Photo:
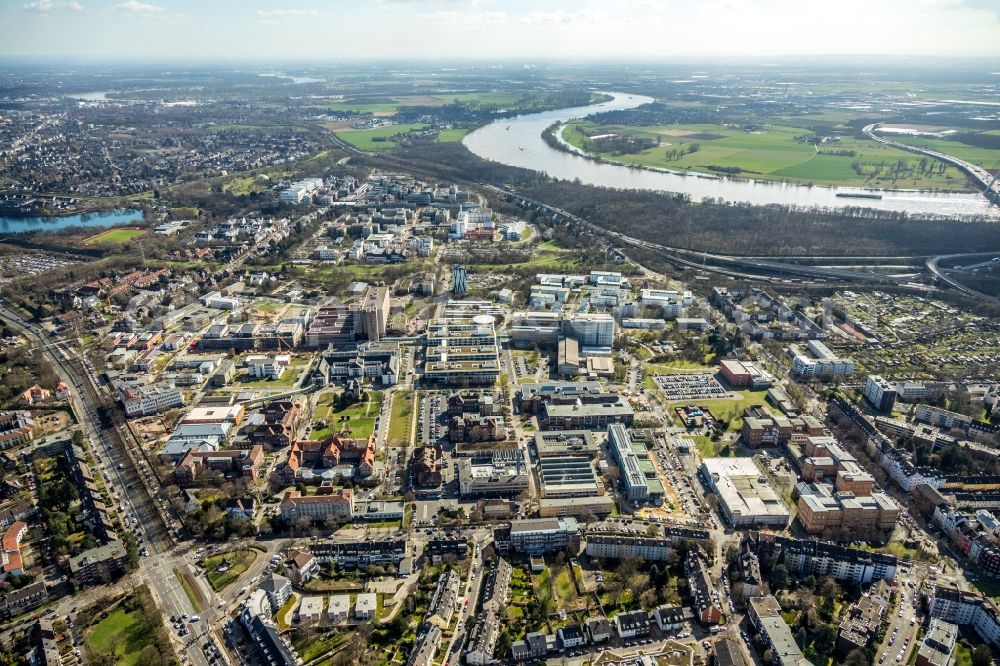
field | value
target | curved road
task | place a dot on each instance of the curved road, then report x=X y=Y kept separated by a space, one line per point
x=932 y=266
x=986 y=180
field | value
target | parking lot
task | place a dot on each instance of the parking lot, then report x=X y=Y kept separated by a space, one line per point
x=690 y=387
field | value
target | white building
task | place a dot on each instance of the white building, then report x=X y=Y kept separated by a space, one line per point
x=310 y=610
x=745 y=495
x=217 y=301
x=150 y=399
x=365 y=606
x=590 y=329
x=296 y=192
x=267 y=367
x=339 y=608
x=880 y=393
x=819 y=362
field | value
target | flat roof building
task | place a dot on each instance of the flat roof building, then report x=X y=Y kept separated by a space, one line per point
x=745 y=495
x=568 y=476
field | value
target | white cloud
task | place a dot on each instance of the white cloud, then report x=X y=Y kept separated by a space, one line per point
x=547 y=18
x=478 y=21
x=49 y=5
x=139 y=7
x=287 y=12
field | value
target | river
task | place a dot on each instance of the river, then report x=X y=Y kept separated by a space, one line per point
x=108 y=218
x=518 y=142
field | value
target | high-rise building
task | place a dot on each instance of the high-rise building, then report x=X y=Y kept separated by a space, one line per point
x=880 y=393
x=460 y=286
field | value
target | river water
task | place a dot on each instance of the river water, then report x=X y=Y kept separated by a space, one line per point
x=109 y=218
x=518 y=142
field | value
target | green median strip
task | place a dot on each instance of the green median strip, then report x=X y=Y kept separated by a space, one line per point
x=188 y=583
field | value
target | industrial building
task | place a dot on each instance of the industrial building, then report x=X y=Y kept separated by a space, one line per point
x=745 y=495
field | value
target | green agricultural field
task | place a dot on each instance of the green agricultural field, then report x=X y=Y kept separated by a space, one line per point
x=452 y=135
x=774 y=154
x=114 y=236
x=984 y=157
x=378 y=138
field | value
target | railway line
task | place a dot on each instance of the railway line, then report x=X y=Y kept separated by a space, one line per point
x=105 y=426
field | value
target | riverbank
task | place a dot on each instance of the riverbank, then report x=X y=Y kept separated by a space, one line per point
x=554 y=136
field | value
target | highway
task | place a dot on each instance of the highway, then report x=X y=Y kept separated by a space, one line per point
x=987 y=182
x=933 y=267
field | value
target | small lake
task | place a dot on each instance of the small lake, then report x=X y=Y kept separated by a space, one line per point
x=108 y=218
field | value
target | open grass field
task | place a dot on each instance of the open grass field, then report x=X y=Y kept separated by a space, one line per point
x=556 y=590
x=115 y=236
x=378 y=138
x=728 y=409
x=233 y=564
x=452 y=135
x=125 y=631
x=360 y=417
x=401 y=417
x=772 y=153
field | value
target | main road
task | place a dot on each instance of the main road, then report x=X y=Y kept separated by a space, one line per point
x=112 y=448
x=987 y=181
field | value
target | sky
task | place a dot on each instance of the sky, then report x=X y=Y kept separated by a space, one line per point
x=495 y=29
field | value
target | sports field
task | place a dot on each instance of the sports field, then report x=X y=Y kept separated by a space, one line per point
x=773 y=153
x=378 y=138
x=114 y=236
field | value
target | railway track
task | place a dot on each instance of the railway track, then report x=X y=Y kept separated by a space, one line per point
x=111 y=441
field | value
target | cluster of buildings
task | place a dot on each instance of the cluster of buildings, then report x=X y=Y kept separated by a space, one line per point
x=765 y=316
x=850 y=504
x=820 y=558
x=342 y=325
x=16 y=427
x=746 y=496
x=764 y=615
x=482 y=639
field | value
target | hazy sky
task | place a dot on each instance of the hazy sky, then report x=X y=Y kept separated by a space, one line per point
x=496 y=28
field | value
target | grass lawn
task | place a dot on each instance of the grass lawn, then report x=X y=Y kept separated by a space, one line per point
x=285 y=612
x=726 y=409
x=114 y=236
x=314 y=645
x=126 y=631
x=963 y=657
x=360 y=417
x=377 y=138
x=287 y=379
x=238 y=561
x=773 y=152
x=401 y=417
x=452 y=135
